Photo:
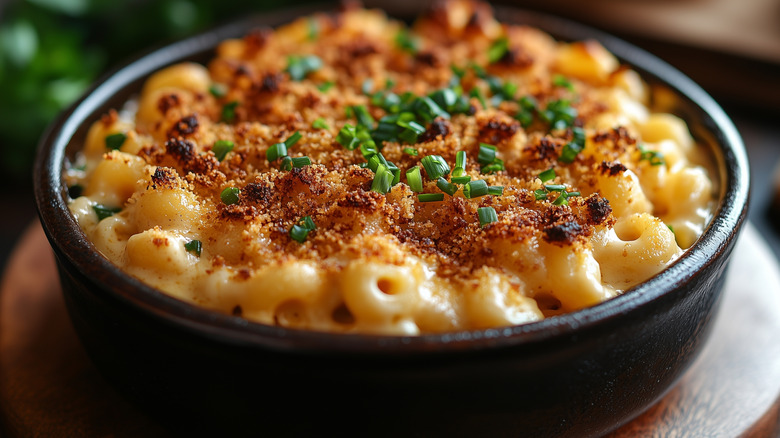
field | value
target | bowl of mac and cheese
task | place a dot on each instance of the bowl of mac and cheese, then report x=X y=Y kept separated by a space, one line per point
x=485 y=220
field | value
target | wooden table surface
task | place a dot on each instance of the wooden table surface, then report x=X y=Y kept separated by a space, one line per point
x=48 y=386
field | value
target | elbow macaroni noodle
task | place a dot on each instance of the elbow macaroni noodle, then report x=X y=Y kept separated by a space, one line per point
x=381 y=260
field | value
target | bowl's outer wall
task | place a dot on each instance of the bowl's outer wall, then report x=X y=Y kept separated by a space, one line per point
x=578 y=375
x=576 y=386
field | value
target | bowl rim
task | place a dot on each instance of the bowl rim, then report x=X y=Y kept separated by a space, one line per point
x=71 y=245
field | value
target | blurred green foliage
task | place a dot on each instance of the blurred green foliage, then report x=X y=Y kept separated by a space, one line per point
x=52 y=50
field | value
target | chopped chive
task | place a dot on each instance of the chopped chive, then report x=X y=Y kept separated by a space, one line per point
x=298 y=67
x=460 y=159
x=578 y=136
x=487 y=154
x=288 y=163
x=460 y=179
x=406 y=42
x=115 y=141
x=291 y=140
x=561 y=199
x=229 y=111
x=430 y=197
x=367 y=86
x=313 y=28
x=496 y=190
x=325 y=86
x=299 y=162
x=347 y=137
x=435 y=166
x=569 y=153
x=475 y=189
x=368 y=149
x=540 y=194
x=383 y=180
x=457 y=71
x=300 y=231
x=486 y=215
x=654 y=157
x=414 y=179
x=476 y=92
x=555 y=187
x=320 y=123
x=103 y=211
x=221 y=148
x=218 y=90
x=671 y=228
x=561 y=81
x=411 y=151
x=547 y=175
x=446 y=186
x=495 y=166
x=194 y=246
x=498 y=49
x=275 y=152
x=229 y=196
x=362 y=116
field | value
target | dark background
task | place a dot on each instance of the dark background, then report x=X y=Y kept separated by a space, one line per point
x=52 y=50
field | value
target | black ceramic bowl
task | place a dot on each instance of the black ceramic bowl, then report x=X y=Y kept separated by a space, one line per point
x=580 y=374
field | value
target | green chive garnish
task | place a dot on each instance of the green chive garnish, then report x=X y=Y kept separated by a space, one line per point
x=540 y=194
x=229 y=111
x=460 y=179
x=276 y=151
x=347 y=137
x=300 y=231
x=498 y=49
x=230 y=195
x=414 y=179
x=487 y=154
x=320 y=123
x=486 y=215
x=569 y=153
x=221 y=148
x=291 y=140
x=218 y=90
x=298 y=67
x=103 y=212
x=325 y=86
x=115 y=141
x=495 y=166
x=475 y=189
x=435 y=166
x=289 y=163
x=411 y=151
x=460 y=160
x=430 y=197
x=314 y=28
x=406 y=42
x=561 y=81
x=446 y=186
x=496 y=190
x=547 y=175
x=654 y=157
x=383 y=180
x=194 y=246
x=561 y=199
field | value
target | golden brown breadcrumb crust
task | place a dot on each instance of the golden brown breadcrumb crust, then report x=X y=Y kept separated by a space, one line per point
x=336 y=192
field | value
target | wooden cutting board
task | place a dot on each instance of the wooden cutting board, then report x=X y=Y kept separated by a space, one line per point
x=48 y=386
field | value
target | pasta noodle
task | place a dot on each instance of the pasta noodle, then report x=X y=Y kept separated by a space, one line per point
x=347 y=173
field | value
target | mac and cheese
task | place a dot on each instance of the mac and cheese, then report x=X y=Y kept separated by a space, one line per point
x=346 y=173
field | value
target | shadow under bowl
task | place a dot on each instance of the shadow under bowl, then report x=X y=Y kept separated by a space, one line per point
x=576 y=375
